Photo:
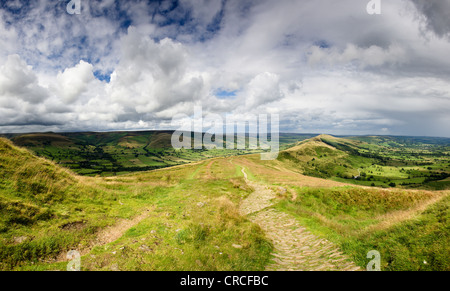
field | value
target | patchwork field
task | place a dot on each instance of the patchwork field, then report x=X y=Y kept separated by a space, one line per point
x=116 y=153
x=192 y=216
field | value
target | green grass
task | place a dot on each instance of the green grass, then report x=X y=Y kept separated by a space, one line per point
x=409 y=165
x=181 y=235
x=361 y=220
x=197 y=242
x=112 y=153
x=193 y=222
x=46 y=211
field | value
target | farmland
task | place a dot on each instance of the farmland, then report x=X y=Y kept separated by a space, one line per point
x=194 y=216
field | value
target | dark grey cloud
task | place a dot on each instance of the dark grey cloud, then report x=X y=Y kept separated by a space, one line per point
x=437 y=15
x=31 y=121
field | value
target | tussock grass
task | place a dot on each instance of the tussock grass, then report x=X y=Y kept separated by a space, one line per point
x=406 y=227
x=193 y=222
x=46 y=210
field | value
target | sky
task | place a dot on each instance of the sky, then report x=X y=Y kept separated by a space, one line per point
x=323 y=66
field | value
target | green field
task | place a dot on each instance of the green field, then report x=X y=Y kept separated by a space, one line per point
x=116 y=153
x=360 y=221
x=186 y=217
x=190 y=222
x=375 y=162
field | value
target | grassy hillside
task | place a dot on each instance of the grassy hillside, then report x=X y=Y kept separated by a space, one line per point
x=371 y=164
x=411 y=230
x=407 y=227
x=186 y=217
x=38 y=199
x=177 y=219
x=116 y=153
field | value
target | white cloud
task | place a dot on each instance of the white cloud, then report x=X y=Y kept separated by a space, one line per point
x=153 y=77
x=323 y=65
x=262 y=89
x=74 y=81
x=18 y=81
x=8 y=38
x=372 y=56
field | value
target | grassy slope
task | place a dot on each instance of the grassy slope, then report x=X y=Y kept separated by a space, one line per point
x=343 y=159
x=111 y=153
x=46 y=211
x=400 y=225
x=408 y=227
x=115 y=153
x=194 y=221
x=37 y=200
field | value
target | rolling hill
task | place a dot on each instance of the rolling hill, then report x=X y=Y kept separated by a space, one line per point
x=116 y=153
x=190 y=217
x=371 y=164
x=163 y=220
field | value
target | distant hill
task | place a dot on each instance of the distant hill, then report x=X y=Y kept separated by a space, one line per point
x=113 y=153
x=366 y=160
x=42 y=139
x=373 y=161
x=47 y=211
x=322 y=156
x=105 y=153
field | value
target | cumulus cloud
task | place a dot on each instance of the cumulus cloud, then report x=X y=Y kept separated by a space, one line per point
x=22 y=97
x=19 y=82
x=74 y=81
x=153 y=76
x=262 y=89
x=323 y=66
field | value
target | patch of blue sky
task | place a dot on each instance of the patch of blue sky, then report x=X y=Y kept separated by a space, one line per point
x=225 y=94
x=102 y=76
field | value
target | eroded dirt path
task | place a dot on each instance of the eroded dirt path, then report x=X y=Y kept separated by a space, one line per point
x=295 y=248
x=108 y=235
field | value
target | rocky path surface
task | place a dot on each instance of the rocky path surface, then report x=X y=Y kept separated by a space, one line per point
x=295 y=248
